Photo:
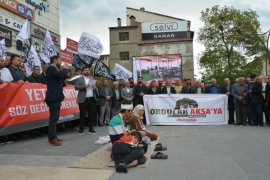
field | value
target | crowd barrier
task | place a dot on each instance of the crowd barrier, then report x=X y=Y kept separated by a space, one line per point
x=22 y=107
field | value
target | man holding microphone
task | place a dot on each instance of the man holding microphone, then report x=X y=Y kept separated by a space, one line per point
x=55 y=76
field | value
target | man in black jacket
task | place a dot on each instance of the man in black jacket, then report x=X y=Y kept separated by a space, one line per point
x=257 y=101
x=227 y=89
x=35 y=78
x=139 y=91
x=168 y=89
x=42 y=76
x=54 y=96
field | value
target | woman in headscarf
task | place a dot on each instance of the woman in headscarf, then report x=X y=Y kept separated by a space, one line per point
x=137 y=124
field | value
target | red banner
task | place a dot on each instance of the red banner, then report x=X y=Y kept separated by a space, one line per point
x=66 y=56
x=22 y=106
x=72 y=45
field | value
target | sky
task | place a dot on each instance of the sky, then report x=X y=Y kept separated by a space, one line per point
x=96 y=16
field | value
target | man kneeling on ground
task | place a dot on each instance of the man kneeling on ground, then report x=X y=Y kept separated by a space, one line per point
x=117 y=125
x=127 y=152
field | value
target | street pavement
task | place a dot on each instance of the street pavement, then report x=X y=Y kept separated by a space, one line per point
x=195 y=153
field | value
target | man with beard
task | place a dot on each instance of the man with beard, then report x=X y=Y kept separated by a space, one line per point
x=131 y=82
x=86 y=99
x=55 y=77
x=15 y=70
x=139 y=91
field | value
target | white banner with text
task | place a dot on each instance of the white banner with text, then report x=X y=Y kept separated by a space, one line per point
x=186 y=109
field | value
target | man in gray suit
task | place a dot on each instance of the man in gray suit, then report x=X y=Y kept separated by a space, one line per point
x=86 y=100
x=105 y=96
x=239 y=92
x=127 y=94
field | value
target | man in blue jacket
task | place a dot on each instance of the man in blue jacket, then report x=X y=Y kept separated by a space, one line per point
x=54 y=96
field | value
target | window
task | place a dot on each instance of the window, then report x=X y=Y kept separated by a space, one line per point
x=123 y=36
x=124 y=55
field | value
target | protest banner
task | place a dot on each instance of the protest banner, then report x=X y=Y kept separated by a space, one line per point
x=23 y=107
x=186 y=109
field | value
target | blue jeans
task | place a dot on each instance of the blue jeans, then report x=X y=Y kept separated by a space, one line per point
x=54 y=117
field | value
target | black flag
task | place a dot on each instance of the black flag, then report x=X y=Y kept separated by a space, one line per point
x=77 y=62
x=102 y=70
x=87 y=59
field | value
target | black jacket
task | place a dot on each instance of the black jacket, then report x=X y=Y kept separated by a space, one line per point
x=55 y=80
x=224 y=90
x=42 y=78
x=138 y=99
x=164 y=90
x=114 y=96
x=33 y=79
x=256 y=93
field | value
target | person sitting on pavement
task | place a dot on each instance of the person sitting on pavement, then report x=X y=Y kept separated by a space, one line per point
x=137 y=124
x=117 y=125
x=127 y=152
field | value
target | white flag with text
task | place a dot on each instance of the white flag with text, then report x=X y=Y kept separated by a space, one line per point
x=3 y=52
x=32 y=60
x=23 y=34
x=48 y=48
x=90 y=45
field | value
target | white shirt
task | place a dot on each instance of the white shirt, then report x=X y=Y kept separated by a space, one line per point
x=168 y=90
x=199 y=90
x=5 y=75
x=89 y=90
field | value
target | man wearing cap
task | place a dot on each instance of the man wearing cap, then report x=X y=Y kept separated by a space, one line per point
x=117 y=125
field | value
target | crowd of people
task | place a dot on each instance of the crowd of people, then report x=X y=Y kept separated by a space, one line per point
x=120 y=105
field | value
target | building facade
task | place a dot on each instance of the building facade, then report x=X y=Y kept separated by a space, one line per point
x=149 y=35
x=42 y=15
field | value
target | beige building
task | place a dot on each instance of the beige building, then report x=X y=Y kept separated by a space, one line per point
x=42 y=15
x=151 y=34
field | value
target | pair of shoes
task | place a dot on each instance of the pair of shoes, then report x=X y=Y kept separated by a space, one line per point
x=122 y=167
x=92 y=131
x=55 y=142
x=237 y=124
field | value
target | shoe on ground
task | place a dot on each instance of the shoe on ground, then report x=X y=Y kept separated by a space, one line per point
x=122 y=167
x=80 y=133
x=55 y=142
x=59 y=139
x=100 y=125
x=92 y=131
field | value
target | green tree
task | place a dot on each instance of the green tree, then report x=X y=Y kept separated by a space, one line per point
x=230 y=40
